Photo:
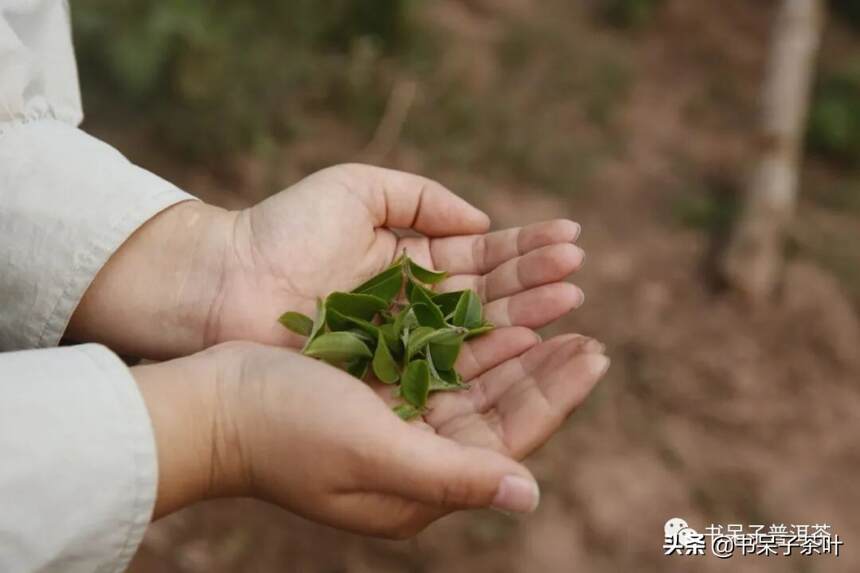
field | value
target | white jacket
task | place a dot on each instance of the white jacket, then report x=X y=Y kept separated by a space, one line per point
x=78 y=465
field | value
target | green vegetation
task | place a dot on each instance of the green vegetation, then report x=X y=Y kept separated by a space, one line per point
x=207 y=82
x=412 y=343
x=834 y=121
x=631 y=13
x=848 y=10
x=544 y=116
x=707 y=203
x=214 y=78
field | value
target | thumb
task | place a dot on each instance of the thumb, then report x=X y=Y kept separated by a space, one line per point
x=430 y=469
x=403 y=201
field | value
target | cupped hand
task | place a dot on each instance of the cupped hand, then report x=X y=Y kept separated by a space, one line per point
x=196 y=275
x=307 y=436
x=337 y=227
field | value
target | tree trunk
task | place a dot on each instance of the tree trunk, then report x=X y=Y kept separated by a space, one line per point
x=753 y=261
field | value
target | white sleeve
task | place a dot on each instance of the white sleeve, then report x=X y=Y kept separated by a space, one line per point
x=78 y=467
x=67 y=200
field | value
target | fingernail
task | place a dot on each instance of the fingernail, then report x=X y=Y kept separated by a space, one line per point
x=578 y=231
x=594 y=347
x=517 y=494
x=598 y=364
x=581 y=300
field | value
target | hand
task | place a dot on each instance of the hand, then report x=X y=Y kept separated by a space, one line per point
x=333 y=230
x=196 y=275
x=247 y=419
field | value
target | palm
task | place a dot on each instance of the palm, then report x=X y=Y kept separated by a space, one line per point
x=393 y=478
x=519 y=390
x=333 y=230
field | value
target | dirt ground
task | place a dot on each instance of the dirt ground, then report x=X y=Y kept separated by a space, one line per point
x=712 y=411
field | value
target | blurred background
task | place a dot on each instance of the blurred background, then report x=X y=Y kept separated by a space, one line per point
x=729 y=400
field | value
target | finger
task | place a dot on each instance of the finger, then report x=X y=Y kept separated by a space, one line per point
x=479 y=254
x=531 y=410
x=539 y=267
x=382 y=251
x=476 y=356
x=485 y=390
x=517 y=406
x=429 y=469
x=407 y=201
x=535 y=307
x=492 y=349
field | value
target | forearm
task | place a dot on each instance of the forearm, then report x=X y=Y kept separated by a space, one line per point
x=153 y=297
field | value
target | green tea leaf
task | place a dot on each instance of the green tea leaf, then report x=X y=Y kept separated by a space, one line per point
x=445 y=353
x=365 y=337
x=319 y=324
x=429 y=315
x=338 y=321
x=384 y=366
x=416 y=292
x=354 y=305
x=424 y=335
x=420 y=294
x=337 y=347
x=452 y=377
x=447 y=380
x=426 y=276
x=418 y=339
x=415 y=383
x=297 y=322
x=406 y=411
x=358 y=367
x=468 y=313
x=433 y=373
x=443 y=379
x=449 y=334
x=391 y=338
x=479 y=330
x=447 y=301
x=405 y=320
x=386 y=285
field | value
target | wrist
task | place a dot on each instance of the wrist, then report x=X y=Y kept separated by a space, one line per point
x=179 y=402
x=153 y=297
x=191 y=403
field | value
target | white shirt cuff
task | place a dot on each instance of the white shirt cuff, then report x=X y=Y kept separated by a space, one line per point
x=67 y=202
x=79 y=471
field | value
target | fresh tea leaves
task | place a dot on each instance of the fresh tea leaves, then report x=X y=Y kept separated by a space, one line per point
x=395 y=327
x=447 y=302
x=429 y=315
x=415 y=385
x=406 y=411
x=319 y=324
x=386 y=285
x=424 y=275
x=297 y=322
x=468 y=312
x=384 y=366
x=338 y=321
x=338 y=347
x=356 y=305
